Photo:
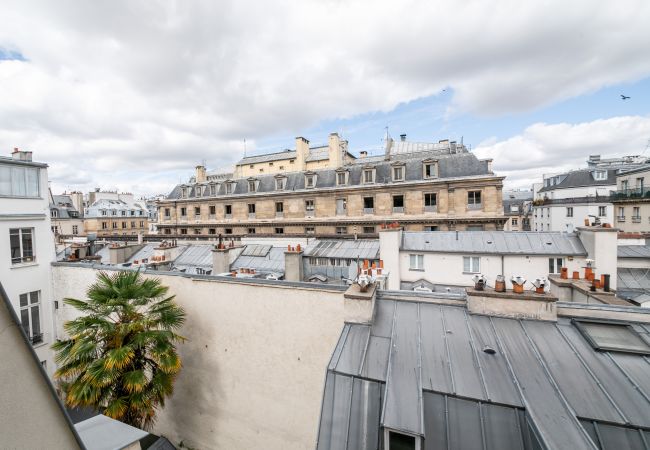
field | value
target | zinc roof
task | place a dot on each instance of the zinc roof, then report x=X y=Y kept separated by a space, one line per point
x=634 y=251
x=348 y=249
x=494 y=242
x=262 y=258
x=420 y=368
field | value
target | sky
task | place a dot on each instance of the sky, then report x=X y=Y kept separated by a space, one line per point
x=133 y=94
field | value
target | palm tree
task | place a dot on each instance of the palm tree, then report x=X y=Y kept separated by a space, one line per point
x=121 y=356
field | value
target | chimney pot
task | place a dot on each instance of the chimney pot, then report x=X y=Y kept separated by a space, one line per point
x=402 y=137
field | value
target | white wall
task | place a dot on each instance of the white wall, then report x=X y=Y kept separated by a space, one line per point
x=554 y=217
x=254 y=364
x=34 y=276
x=447 y=268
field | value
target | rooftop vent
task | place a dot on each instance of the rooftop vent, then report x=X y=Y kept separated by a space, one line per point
x=402 y=137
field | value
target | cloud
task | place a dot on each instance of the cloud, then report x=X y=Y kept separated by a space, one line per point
x=112 y=88
x=548 y=148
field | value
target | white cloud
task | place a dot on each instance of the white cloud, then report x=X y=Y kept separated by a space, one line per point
x=547 y=148
x=117 y=88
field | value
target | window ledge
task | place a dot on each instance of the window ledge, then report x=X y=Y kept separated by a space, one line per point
x=40 y=344
x=416 y=270
x=21 y=265
x=471 y=273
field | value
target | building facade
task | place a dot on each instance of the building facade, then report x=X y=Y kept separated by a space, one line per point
x=631 y=200
x=439 y=186
x=66 y=219
x=115 y=215
x=27 y=248
x=517 y=207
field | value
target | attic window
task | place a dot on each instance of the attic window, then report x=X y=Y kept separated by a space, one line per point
x=600 y=175
x=252 y=185
x=310 y=181
x=606 y=336
x=430 y=169
x=280 y=183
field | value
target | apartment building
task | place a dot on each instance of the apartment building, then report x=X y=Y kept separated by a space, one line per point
x=631 y=200
x=423 y=186
x=517 y=207
x=65 y=217
x=27 y=248
x=115 y=214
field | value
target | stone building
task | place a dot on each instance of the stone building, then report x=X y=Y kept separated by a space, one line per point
x=66 y=220
x=328 y=191
x=117 y=215
x=632 y=200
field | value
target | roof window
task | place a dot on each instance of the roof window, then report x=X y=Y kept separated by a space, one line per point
x=607 y=336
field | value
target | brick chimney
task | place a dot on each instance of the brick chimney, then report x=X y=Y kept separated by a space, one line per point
x=200 y=174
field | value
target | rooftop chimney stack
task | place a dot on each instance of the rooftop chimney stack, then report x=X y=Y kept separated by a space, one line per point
x=363 y=154
x=402 y=137
x=20 y=155
x=200 y=174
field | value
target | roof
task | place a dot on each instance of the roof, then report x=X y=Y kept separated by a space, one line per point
x=580 y=178
x=341 y=248
x=456 y=165
x=193 y=257
x=423 y=369
x=268 y=157
x=262 y=258
x=634 y=251
x=494 y=242
x=633 y=278
x=103 y=433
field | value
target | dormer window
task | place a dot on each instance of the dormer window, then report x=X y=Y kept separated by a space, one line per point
x=183 y=192
x=55 y=213
x=230 y=187
x=600 y=175
x=368 y=175
x=199 y=191
x=398 y=172
x=252 y=185
x=213 y=189
x=310 y=180
x=341 y=177
x=280 y=183
x=430 y=169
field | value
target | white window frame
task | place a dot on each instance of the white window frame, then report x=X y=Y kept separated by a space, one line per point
x=16 y=181
x=344 y=180
x=471 y=195
x=416 y=261
x=22 y=258
x=395 y=170
x=433 y=171
x=310 y=181
x=471 y=264
x=280 y=184
x=310 y=207
x=27 y=308
x=569 y=211
x=368 y=176
x=555 y=264
x=602 y=211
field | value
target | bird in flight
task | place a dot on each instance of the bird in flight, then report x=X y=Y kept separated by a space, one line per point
x=624 y=97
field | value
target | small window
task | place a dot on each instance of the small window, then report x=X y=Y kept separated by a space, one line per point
x=213 y=189
x=251 y=231
x=123 y=224
x=251 y=166
x=199 y=191
x=270 y=164
x=228 y=210
x=474 y=198
x=251 y=208
x=168 y=231
x=555 y=264
x=398 y=173
x=183 y=212
x=280 y=183
x=310 y=181
x=309 y=207
x=22 y=245
x=471 y=264
x=368 y=203
x=431 y=228
x=515 y=222
x=213 y=210
x=183 y=192
x=30 y=316
x=279 y=230
x=341 y=178
x=104 y=225
x=569 y=211
x=212 y=231
x=75 y=229
x=197 y=211
x=230 y=188
x=600 y=175
x=227 y=230
x=430 y=170
x=398 y=203
x=114 y=225
x=430 y=200
x=369 y=230
x=602 y=211
x=252 y=185
x=310 y=230
x=612 y=336
x=399 y=441
x=279 y=207
x=341 y=230
x=183 y=230
x=369 y=175
x=416 y=262
x=168 y=213
x=197 y=231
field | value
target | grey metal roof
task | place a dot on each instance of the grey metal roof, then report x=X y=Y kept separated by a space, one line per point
x=318 y=154
x=344 y=248
x=145 y=252
x=579 y=178
x=103 y=433
x=494 y=242
x=193 y=257
x=261 y=258
x=633 y=278
x=420 y=368
x=449 y=166
x=634 y=251
x=268 y=157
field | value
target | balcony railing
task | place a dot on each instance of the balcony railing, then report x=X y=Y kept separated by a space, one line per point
x=368 y=210
x=228 y=216
x=620 y=218
x=279 y=214
x=636 y=219
x=475 y=206
x=431 y=208
x=36 y=338
x=398 y=209
x=630 y=193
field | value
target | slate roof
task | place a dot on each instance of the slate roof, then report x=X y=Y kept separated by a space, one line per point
x=421 y=368
x=580 y=178
x=64 y=207
x=450 y=166
x=634 y=251
x=268 y=157
x=494 y=242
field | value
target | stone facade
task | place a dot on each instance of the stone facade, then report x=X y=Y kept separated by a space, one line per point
x=632 y=201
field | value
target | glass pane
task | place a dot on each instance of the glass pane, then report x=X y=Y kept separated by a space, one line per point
x=14 y=242
x=18 y=181
x=23 y=300
x=28 y=251
x=33 y=297
x=550 y=266
x=32 y=182
x=5 y=180
x=466 y=267
x=615 y=337
x=36 y=320
x=400 y=441
x=24 y=320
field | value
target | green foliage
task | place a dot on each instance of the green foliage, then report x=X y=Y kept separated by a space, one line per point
x=121 y=358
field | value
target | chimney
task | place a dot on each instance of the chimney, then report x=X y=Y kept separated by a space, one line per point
x=200 y=174
x=293 y=264
x=402 y=137
x=221 y=260
x=302 y=151
x=363 y=154
x=20 y=155
x=335 y=150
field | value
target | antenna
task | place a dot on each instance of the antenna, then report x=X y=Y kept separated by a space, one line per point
x=244 y=147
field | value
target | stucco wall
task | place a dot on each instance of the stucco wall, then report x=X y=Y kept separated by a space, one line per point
x=254 y=363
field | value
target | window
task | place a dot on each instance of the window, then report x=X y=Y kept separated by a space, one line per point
x=398 y=203
x=132 y=224
x=183 y=212
x=600 y=175
x=474 y=199
x=368 y=205
x=310 y=230
x=624 y=185
x=227 y=230
x=341 y=178
x=398 y=173
x=212 y=231
x=183 y=230
x=197 y=211
x=612 y=336
x=280 y=183
x=54 y=213
x=251 y=231
x=368 y=230
x=252 y=185
x=416 y=262
x=113 y=212
x=19 y=181
x=636 y=213
x=471 y=264
x=555 y=264
x=369 y=175
x=213 y=211
x=515 y=222
x=431 y=228
x=310 y=181
x=198 y=192
x=30 y=315
x=602 y=211
x=341 y=230
x=514 y=208
x=183 y=192
x=142 y=224
x=168 y=213
x=430 y=170
x=309 y=207
x=168 y=231
x=430 y=202
x=621 y=213
x=251 y=208
x=228 y=211
x=103 y=212
x=230 y=188
x=279 y=230
x=123 y=224
x=569 y=211
x=213 y=189
x=22 y=245
x=279 y=208
x=104 y=225
x=399 y=441
x=270 y=164
x=75 y=229
x=197 y=231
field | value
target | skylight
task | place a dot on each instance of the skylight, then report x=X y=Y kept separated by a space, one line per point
x=612 y=337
